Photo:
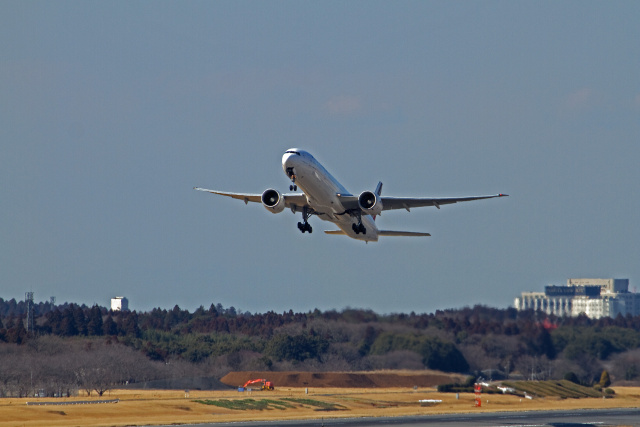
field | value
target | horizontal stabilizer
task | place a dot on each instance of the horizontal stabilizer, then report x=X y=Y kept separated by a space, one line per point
x=401 y=233
x=385 y=233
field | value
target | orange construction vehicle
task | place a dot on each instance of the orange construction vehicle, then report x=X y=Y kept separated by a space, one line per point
x=264 y=384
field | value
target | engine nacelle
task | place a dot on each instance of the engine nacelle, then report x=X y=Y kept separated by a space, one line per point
x=272 y=200
x=370 y=203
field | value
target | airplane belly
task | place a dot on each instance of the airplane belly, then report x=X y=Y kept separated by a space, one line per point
x=321 y=194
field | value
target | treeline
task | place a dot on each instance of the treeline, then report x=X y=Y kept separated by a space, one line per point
x=486 y=341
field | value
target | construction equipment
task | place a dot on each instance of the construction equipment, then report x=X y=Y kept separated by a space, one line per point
x=264 y=384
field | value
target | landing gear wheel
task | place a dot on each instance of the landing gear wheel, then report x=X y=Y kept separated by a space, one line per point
x=359 y=228
x=293 y=188
x=304 y=225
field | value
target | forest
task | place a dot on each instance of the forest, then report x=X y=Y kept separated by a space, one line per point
x=72 y=347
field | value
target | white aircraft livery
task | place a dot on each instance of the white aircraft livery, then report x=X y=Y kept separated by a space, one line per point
x=323 y=196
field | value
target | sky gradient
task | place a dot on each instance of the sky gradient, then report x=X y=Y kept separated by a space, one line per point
x=110 y=112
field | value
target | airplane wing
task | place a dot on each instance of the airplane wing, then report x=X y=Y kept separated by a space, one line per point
x=407 y=203
x=350 y=202
x=246 y=197
x=292 y=201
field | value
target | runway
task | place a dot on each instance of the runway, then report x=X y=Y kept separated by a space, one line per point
x=573 y=418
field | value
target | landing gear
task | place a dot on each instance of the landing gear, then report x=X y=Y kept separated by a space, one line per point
x=292 y=175
x=304 y=225
x=359 y=227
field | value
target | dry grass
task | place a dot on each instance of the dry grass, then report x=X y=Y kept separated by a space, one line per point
x=172 y=407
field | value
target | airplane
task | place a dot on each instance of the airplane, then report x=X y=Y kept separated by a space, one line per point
x=323 y=196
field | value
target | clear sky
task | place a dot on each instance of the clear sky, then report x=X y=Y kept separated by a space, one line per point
x=110 y=112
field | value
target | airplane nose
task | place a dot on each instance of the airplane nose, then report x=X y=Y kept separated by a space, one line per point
x=288 y=159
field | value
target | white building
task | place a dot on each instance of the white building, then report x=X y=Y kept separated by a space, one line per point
x=594 y=297
x=119 y=304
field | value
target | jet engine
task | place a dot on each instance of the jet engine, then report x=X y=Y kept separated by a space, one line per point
x=370 y=203
x=273 y=200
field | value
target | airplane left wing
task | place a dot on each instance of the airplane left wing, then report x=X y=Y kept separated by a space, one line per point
x=350 y=202
x=389 y=203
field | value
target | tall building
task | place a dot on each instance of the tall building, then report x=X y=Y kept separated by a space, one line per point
x=119 y=304
x=594 y=297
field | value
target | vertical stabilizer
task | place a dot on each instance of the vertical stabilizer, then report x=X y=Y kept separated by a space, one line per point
x=378 y=192
x=379 y=189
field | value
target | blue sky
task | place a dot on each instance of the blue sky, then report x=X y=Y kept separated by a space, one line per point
x=110 y=112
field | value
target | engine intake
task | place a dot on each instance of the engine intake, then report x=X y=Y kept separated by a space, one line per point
x=370 y=203
x=272 y=200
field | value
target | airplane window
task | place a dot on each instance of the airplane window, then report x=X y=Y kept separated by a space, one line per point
x=293 y=152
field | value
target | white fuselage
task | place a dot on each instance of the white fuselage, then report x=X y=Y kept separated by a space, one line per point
x=322 y=190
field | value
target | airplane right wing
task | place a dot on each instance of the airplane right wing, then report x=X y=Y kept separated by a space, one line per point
x=293 y=201
x=245 y=197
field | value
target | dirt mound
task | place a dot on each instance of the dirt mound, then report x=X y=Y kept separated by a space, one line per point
x=346 y=379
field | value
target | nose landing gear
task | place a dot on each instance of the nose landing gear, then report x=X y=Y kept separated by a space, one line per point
x=292 y=175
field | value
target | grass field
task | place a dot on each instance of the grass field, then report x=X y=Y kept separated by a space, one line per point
x=172 y=407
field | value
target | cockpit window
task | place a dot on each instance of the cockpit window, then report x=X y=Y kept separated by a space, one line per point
x=293 y=152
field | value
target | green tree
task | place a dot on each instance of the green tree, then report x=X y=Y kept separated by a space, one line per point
x=94 y=326
x=109 y=327
x=298 y=347
x=68 y=326
x=605 y=381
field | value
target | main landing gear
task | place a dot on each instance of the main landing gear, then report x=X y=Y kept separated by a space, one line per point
x=359 y=227
x=304 y=225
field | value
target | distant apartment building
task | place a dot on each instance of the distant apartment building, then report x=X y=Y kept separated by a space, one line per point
x=119 y=304
x=594 y=297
